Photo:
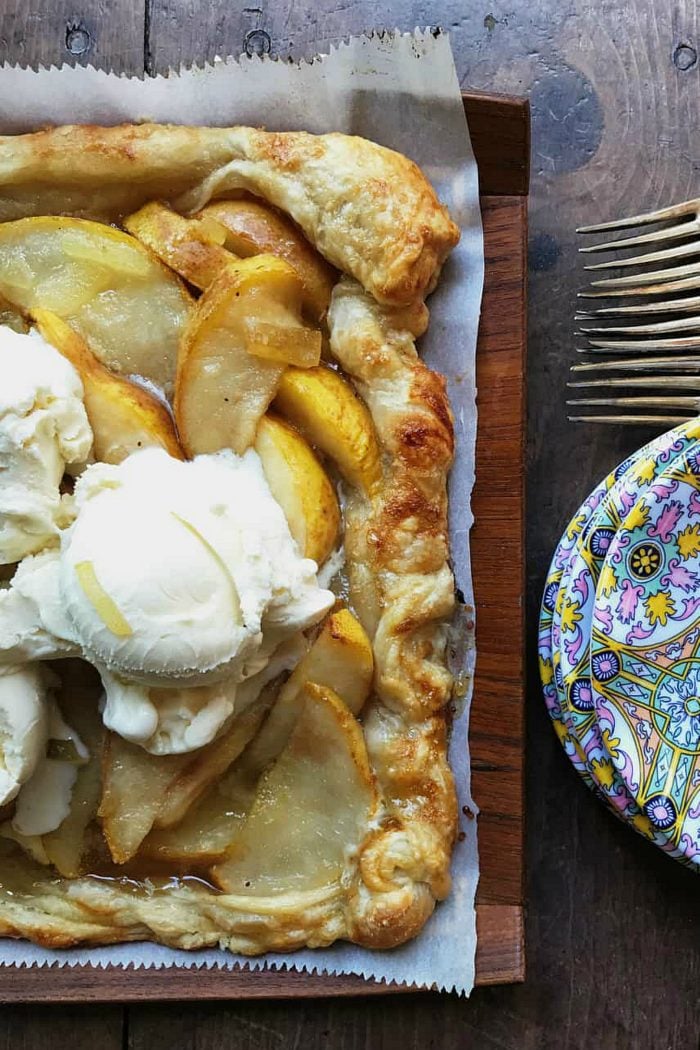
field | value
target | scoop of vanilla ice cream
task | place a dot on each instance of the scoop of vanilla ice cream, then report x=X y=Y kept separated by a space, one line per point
x=33 y=621
x=180 y=582
x=24 y=728
x=43 y=431
x=177 y=719
x=172 y=570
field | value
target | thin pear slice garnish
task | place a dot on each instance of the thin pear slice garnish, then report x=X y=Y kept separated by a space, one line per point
x=221 y=564
x=104 y=605
x=311 y=810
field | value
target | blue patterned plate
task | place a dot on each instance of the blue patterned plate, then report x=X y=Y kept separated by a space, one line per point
x=645 y=654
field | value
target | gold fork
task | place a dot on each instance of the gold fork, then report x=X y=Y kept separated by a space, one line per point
x=659 y=292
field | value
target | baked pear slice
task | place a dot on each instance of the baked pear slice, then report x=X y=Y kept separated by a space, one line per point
x=328 y=412
x=191 y=247
x=208 y=764
x=124 y=416
x=209 y=827
x=128 y=306
x=300 y=485
x=253 y=227
x=141 y=790
x=278 y=342
x=311 y=809
x=222 y=389
x=340 y=658
x=134 y=786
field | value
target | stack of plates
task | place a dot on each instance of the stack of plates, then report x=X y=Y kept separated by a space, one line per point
x=619 y=641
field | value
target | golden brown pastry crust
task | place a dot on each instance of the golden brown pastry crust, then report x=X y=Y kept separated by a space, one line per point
x=369 y=210
x=372 y=213
x=399 y=541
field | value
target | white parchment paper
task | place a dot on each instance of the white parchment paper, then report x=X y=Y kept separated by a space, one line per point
x=402 y=91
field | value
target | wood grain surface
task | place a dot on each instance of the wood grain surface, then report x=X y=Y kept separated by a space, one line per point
x=613 y=929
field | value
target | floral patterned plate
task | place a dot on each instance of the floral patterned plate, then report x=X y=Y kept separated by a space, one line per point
x=550 y=600
x=573 y=657
x=576 y=699
x=645 y=653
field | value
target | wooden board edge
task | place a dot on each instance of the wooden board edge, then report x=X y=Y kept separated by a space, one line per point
x=111 y=984
x=502 y=830
x=499 y=128
x=500 y=945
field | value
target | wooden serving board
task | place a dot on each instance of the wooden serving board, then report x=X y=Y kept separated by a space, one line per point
x=499 y=129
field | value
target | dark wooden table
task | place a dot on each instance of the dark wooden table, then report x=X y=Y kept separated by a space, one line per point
x=613 y=928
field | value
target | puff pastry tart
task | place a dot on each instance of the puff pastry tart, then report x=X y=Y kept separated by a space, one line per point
x=223 y=516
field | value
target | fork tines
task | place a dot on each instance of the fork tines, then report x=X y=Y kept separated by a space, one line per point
x=662 y=347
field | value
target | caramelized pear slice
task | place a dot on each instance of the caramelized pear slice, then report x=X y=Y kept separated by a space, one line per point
x=128 y=306
x=254 y=227
x=328 y=412
x=278 y=342
x=123 y=415
x=191 y=247
x=340 y=658
x=301 y=487
x=311 y=809
x=222 y=390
